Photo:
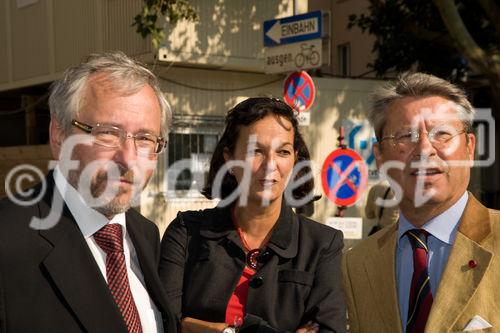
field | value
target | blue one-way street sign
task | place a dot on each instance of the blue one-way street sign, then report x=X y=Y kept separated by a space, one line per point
x=292 y=29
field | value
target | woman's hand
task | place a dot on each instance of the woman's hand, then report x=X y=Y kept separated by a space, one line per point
x=309 y=327
x=191 y=325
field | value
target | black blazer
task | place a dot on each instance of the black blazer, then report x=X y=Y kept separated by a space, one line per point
x=49 y=280
x=300 y=279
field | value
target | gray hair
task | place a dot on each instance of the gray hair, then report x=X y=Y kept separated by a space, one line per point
x=124 y=74
x=417 y=85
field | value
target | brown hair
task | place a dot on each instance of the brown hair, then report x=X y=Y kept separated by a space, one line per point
x=244 y=114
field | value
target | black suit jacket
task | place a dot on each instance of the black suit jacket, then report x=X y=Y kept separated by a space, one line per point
x=49 y=280
x=300 y=279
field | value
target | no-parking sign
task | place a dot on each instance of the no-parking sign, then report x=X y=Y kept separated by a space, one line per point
x=299 y=91
x=343 y=176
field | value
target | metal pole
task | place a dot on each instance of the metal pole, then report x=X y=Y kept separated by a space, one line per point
x=340 y=138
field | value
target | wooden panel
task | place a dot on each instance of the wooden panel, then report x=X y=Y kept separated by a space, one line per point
x=4 y=63
x=30 y=40
x=118 y=16
x=75 y=33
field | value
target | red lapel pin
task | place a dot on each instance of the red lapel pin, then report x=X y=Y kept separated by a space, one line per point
x=472 y=263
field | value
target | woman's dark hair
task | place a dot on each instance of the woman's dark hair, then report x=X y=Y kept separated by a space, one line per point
x=244 y=114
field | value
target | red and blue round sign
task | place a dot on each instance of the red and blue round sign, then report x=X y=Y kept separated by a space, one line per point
x=344 y=176
x=299 y=91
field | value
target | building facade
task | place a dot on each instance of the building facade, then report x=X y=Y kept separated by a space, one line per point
x=205 y=68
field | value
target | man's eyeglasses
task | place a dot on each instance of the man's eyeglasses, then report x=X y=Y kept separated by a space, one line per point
x=113 y=137
x=439 y=137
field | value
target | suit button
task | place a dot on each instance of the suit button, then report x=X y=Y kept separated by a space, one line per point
x=257 y=281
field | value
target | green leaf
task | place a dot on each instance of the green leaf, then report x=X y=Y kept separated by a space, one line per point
x=174 y=10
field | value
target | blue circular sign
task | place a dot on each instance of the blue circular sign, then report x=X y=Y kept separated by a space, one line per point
x=344 y=177
x=299 y=91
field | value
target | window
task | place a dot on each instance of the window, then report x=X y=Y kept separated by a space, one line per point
x=197 y=148
x=344 y=56
x=190 y=147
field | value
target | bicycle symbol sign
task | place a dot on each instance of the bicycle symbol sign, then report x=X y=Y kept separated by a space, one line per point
x=299 y=90
x=344 y=176
x=307 y=55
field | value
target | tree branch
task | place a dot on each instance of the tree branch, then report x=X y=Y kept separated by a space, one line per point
x=464 y=41
x=492 y=10
x=429 y=35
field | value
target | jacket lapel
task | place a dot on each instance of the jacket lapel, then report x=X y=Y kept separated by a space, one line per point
x=284 y=239
x=75 y=273
x=459 y=281
x=381 y=273
x=146 y=261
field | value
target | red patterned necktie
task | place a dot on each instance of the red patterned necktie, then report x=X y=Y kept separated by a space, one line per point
x=110 y=240
x=420 y=301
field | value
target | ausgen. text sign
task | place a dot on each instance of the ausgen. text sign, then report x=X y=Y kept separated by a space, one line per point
x=293 y=57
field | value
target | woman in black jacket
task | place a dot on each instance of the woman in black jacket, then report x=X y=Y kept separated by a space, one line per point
x=251 y=264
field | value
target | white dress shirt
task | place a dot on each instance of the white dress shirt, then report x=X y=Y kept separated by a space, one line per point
x=90 y=221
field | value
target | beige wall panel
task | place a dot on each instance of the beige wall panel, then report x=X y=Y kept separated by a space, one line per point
x=4 y=69
x=227 y=33
x=162 y=211
x=75 y=31
x=118 y=15
x=51 y=35
x=30 y=40
x=208 y=92
x=337 y=100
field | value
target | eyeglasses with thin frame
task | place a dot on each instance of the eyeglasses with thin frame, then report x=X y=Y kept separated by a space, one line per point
x=113 y=137
x=439 y=137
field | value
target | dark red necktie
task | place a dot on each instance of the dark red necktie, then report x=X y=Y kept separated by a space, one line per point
x=110 y=240
x=420 y=301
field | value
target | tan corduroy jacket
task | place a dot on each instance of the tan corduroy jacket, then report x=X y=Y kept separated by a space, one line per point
x=463 y=293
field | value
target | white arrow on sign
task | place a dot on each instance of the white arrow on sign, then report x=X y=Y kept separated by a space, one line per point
x=275 y=32
x=292 y=29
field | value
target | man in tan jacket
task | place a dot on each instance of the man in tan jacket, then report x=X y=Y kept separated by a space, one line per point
x=437 y=269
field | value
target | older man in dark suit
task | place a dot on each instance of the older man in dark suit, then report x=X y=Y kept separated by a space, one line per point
x=76 y=258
